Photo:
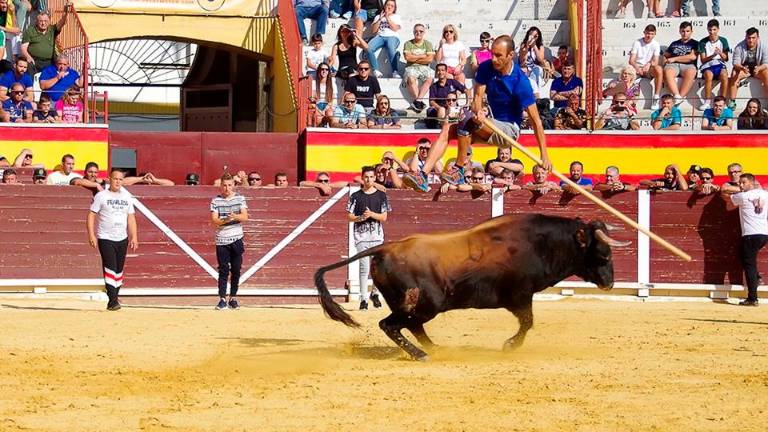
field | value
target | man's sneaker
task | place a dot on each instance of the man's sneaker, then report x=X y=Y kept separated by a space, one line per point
x=113 y=306
x=375 y=300
x=396 y=75
x=233 y=304
x=678 y=100
x=347 y=15
x=221 y=305
x=705 y=106
x=333 y=14
x=748 y=302
x=363 y=305
x=454 y=176
x=732 y=104
x=378 y=74
x=418 y=182
x=655 y=103
x=419 y=106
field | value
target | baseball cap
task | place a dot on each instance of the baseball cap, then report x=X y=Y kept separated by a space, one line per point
x=38 y=173
x=193 y=179
x=695 y=168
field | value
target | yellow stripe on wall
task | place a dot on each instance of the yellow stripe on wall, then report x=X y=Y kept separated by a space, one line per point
x=49 y=153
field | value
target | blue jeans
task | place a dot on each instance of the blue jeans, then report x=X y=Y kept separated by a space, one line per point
x=317 y=13
x=341 y=6
x=390 y=43
x=687 y=7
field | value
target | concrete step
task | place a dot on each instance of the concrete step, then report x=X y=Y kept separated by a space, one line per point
x=466 y=9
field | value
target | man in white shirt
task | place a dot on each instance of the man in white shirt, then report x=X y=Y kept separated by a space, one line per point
x=65 y=177
x=644 y=57
x=753 y=214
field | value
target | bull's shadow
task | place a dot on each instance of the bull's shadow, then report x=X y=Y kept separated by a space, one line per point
x=720 y=232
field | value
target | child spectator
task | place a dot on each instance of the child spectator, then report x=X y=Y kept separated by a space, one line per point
x=315 y=55
x=453 y=53
x=627 y=84
x=644 y=57
x=719 y=117
x=531 y=58
x=753 y=116
x=382 y=117
x=481 y=54
x=348 y=41
x=668 y=116
x=70 y=106
x=386 y=25
x=44 y=113
x=713 y=53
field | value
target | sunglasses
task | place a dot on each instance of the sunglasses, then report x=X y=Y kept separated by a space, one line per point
x=324 y=181
x=448 y=31
x=423 y=148
x=484 y=40
x=17 y=92
x=620 y=102
x=734 y=172
x=451 y=100
x=254 y=179
x=478 y=178
x=363 y=68
x=706 y=178
x=349 y=101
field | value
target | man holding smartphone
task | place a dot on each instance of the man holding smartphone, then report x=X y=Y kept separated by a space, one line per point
x=618 y=116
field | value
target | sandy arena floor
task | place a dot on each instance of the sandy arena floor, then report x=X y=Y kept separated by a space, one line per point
x=587 y=365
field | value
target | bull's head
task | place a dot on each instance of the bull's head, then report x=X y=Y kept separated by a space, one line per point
x=598 y=262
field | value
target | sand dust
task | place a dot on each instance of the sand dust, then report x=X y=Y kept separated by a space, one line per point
x=587 y=365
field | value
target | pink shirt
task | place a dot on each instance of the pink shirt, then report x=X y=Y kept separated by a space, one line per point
x=483 y=55
x=70 y=113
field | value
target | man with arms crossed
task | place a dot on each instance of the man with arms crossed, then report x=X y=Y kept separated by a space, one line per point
x=113 y=208
x=228 y=212
x=509 y=94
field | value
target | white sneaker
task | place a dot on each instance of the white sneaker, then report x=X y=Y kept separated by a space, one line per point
x=396 y=75
x=703 y=107
x=655 y=104
x=678 y=100
x=378 y=74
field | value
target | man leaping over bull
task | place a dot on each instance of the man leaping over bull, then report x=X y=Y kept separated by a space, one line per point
x=509 y=94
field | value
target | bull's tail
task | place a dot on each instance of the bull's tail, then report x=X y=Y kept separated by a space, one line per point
x=330 y=307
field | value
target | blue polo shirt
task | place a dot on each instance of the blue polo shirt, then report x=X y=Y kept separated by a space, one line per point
x=15 y=111
x=720 y=121
x=62 y=85
x=558 y=85
x=583 y=181
x=674 y=117
x=508 y=95
x=9 y=78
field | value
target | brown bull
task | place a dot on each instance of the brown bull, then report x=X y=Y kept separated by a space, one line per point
x=499 y=263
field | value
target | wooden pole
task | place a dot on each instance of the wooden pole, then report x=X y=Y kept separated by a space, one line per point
x=667 y=245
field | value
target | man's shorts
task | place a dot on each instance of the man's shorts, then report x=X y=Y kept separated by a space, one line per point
x=467 y=127
x=366 y=15
x=419 y=71
x=679 y=68
x=714 y=70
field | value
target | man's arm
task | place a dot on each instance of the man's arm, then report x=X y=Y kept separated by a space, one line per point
x=90 y=223
x=512 y=166
x=729 y=189
x=87 y=184
x=133 y=237
x=63 y=21
x=538 y=129
x=322 y=187
x=19 y=162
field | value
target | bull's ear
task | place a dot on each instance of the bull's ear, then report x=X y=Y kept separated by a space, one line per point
x=582 y=238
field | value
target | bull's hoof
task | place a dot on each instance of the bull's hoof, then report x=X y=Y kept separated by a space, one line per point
x=511 y=345
x=420 y=357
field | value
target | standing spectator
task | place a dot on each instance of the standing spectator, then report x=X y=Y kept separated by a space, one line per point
x=367 y=209
x=613 y=181
x=383 y=117
x=112 y=210
x=719 y=117
x=66 y=177
x=693 y=176
x=452 y=53
x=438 y=95
x=713 y=53
x=70 y=106
x=561 y=59
x=540 y=184
x=577 y=176
x=707 y=187
x=654 y=8
x=58 y=78
x=9 y=27
x=315 y=56
x=626 y=83
x=565 y=86
x=503 y=161
x=365 y=12
x=750 y=59
x=348 y=41
x=668 y=116
x=17 y=75
x=531 y=58
x=572 y=116
x=418 y=53
x=281 y=180
x=38 y=176
x=38 y=45
x=673 y=180
x=228 y=211
x=617 y=116
x=323 y=94
x=752 y=202
x=680 y=60
x=481 y=54
x=314 y=9
x=364 y=86
x=753 y=116
x=686 y=7
x=734 y=174
x=644 y=57
x=16 y=109
x=350 y=114
x=44 y=113
x=386 y=25
x=9 y=176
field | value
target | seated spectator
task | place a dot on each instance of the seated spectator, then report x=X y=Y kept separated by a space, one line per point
x=16 y=109
x=680 y=61
x=240 y=178
x=418 y=53
x=576 y=170
x=617 y=116
x=477 y=179
x=91 y=180
x=753 y=116
x=750 y=59
x=469 y=164
x=322 y=95
x=452 y=53
x=561 y=59
x=317 y=10
x=17 y=75
x=44 y=113
x=4 y=162
x=481 y=54
x=38 y=176
x=734 y=174
x=386 y=174
x=385 y=26
x=365 y=12
x=254 y=179
x=58 y=78
x=24 y=160
x=347 y=43
x=572 y=116
x=394 y=164
x=66 y=176
x=673 y=180
x=707 y=187
x=9 y=177
x=364 y=86
x=192 y=179
x=613 y=181
x=531 y=59
x=565 y=86
x=644 y=57
x=693 y=176
x=503 y=161
x=323 y=183
x=315 y=56
x=713 y=54
x=71 y=106
x=718 y=117
x=438 y=96
x=281 y=180
x=540 y=183
x=416 y=162
x=341 y=9
x=383 y=117
x=147 y=178
x=628 y=84
x=545 y=114
x=350 y=114
x=668 y=116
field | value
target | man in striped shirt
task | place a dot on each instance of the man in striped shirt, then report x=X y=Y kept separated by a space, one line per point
x=228 y=212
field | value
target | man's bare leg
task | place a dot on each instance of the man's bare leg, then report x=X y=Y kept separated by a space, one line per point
x=439 y=146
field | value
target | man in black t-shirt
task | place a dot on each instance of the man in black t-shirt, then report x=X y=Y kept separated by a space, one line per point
x=364 y=86
x=680 y=60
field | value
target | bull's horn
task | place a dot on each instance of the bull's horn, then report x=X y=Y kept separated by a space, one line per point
x=603 y=237
x=612 y=228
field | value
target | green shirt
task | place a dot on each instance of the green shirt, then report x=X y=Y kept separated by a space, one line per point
x=41 y=45
x=425 y=47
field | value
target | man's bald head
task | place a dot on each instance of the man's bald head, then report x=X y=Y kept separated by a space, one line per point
x=506 y=41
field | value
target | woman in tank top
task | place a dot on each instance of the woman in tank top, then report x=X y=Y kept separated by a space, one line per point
x=532 y=58
x=345 y=48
